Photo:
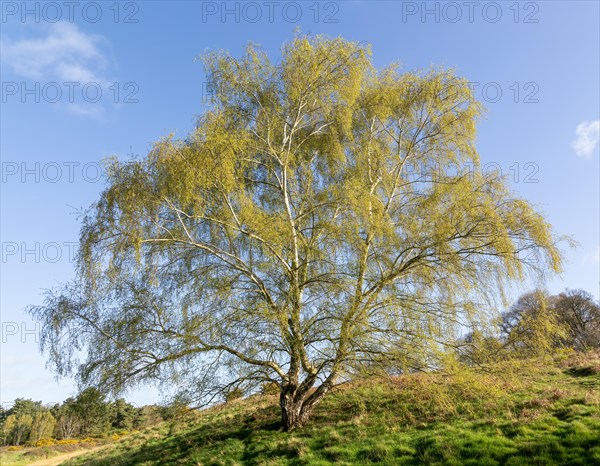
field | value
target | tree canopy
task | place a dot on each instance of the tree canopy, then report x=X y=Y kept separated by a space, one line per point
x=580 y=314
x=305 y=232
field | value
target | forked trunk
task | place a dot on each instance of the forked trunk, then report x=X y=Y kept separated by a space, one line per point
x=293 y=416
x=296 y=407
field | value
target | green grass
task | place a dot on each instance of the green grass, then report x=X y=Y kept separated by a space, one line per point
x=536 y=414
x=13 y=458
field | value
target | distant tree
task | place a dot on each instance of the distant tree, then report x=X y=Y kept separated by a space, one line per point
x=92 y=411
x=42 y=426
x=122 y=414
x=19 y=423
x=531 y=327
x=68 y=421
x=18 y=428
x=477 y=347
x=25 y=406
x=310 y=227
x=578 y=311
x=5 y=431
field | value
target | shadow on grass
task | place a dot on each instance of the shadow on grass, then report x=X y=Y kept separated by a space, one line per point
x=170 y=450
x=585 y=371
x=182 y=446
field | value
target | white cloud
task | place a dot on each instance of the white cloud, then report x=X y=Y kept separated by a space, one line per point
x=64 y=54
x=67 y=58
x=588 y=135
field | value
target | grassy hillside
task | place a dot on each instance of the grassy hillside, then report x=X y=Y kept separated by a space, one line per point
x=542 y=412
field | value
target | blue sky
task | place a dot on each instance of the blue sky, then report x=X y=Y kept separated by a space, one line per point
x=83 y=81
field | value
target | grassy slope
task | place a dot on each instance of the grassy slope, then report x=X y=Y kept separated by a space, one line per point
x=547 y=413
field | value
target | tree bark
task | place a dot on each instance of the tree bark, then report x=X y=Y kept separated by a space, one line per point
x=292 y=415
x=297 y=405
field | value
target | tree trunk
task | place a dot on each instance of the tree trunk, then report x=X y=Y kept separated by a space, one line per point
x=293 y=414
x=297 y=405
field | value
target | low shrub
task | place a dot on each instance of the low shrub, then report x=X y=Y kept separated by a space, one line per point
x=45 y=442
x=68 y=441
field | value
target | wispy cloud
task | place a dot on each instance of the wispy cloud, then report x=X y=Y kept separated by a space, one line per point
x=65 y=53
x=588 y=134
